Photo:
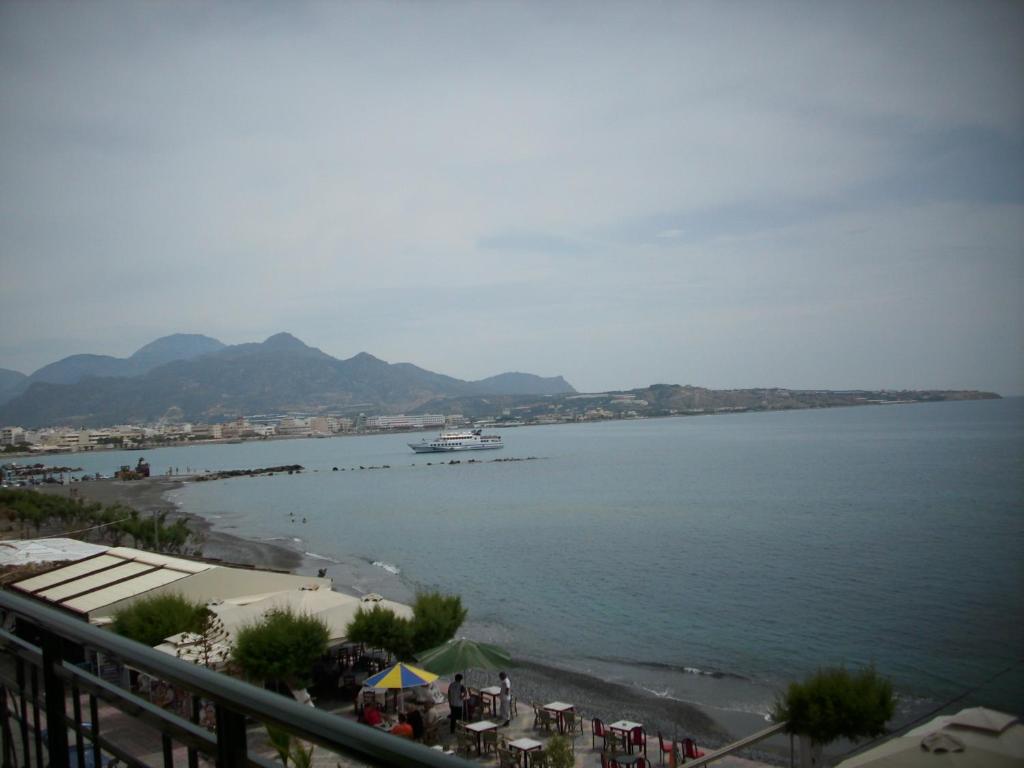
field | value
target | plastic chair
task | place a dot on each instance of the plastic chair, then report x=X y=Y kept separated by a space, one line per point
x=597 y=730
x=573 y=723
x=539 y=759
x=665 y=748
x=546 y=720
x=507 y=758
x=638 y=738
x=465 y=742
x=489 y=741
x=690 y=749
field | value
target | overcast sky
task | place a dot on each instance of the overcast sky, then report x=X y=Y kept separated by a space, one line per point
x=722 y=194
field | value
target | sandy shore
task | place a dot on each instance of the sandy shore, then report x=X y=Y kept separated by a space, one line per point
x=534 y=679
x=148 y=496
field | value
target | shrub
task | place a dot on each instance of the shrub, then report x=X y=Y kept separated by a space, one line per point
x=833 y=703
x=381 y=628
x=152 y=619
x=559 y=752
x=436 y=618
x=282 y=647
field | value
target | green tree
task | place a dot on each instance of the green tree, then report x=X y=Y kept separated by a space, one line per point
x=436 y=618
x=381 y=628
x=834 y=703
x=281 y=648
x=152 y=619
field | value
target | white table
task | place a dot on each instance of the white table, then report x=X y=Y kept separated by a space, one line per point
x=559 y=708
x=625 y=727
x=491 y=693
x=525 y=746
x=478 y=728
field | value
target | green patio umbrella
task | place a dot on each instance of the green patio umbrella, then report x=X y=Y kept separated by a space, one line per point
x=459 y=655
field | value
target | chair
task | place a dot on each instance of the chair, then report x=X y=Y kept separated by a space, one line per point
x=690 y=749
x=573 y=722
x=536 y=714
x=514 y=707
x=638 y=738
x=641 y=762
x=547 y=721
x=665 y=748
x=465 y=743
x=489 y=742
x=597 y=730
x=507 y=758
x=539 y=759
x=606 y=760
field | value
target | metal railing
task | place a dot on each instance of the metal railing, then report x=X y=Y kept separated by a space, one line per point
x=38 y=685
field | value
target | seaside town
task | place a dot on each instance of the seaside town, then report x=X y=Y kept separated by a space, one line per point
x=515 y=384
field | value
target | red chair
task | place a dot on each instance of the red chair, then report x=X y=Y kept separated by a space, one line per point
x=641 y=762
x=597 y=730
x=690 y=749
x=638 y=738
x=665 y=747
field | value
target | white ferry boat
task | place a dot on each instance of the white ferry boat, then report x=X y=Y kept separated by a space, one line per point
x=471 y=440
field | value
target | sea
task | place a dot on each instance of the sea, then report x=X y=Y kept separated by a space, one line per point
x=708 y=559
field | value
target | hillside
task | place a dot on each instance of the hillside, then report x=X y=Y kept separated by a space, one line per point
x=279 y=374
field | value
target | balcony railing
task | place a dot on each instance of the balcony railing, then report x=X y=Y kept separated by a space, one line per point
x=40 y=688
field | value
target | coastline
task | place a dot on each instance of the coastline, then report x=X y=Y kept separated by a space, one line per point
x=535 y=680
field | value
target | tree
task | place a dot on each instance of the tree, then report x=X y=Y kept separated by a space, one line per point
x=436 y=618
x=281 y=648
x=832 y=704
x=152 y=619
x=381 y=628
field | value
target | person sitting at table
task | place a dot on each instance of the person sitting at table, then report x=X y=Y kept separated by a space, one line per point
x=371 y=716
x=415 y=720
x=402 y=728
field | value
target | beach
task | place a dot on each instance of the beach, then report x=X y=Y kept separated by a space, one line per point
x=534 y=679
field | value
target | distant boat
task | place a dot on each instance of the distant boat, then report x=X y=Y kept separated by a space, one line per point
x=471 y=440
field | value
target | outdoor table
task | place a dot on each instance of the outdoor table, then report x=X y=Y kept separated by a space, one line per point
x=478 y=729
x=525 y=746
x=558 y=709
x=625 y=727
x=491 y=695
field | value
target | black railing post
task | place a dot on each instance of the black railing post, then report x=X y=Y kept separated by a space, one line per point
x=53 y=689
x=232 y=744
x=6 y=759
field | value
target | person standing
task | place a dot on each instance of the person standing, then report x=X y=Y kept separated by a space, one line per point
x=456 y=698
x=505 y=698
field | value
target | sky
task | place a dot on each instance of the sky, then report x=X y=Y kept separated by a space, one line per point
x=741 y=194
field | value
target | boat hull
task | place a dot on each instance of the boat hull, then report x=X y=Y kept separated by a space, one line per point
x=420 y=448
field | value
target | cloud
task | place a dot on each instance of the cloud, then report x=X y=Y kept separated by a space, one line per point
x=611 y=179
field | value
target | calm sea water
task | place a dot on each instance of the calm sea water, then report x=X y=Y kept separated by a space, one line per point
x=756 y=546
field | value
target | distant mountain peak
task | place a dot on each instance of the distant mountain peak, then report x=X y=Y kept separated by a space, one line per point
x=284 y=340
x=177 y=346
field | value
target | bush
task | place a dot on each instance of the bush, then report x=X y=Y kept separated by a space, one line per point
x=436 y=618
x=152 y=619
x=381 y=628
x=282 y=647
x=559 y=752
x=833 y=703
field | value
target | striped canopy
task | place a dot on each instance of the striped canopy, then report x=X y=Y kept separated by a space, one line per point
x=400 y=676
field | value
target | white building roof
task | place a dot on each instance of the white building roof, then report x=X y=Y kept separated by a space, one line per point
x=28 y=551
x=99 y=585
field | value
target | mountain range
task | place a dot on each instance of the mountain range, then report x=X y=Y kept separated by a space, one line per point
x=196 y=378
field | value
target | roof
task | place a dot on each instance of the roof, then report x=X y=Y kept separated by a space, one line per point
x=108 y=577
x=100 y=584
x=27 y=551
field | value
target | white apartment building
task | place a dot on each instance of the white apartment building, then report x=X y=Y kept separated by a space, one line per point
x=405 y=422
x=12 y=436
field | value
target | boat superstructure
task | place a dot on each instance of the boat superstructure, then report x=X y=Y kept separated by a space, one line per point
x=465 y=440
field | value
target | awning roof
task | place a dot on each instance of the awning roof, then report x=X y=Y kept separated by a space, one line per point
x=108 y=577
